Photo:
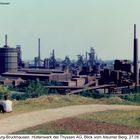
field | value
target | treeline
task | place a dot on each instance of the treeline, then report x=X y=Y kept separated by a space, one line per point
x=34 y=89
x=29 y=89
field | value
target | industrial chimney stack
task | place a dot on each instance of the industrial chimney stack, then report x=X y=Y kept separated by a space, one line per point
x=39 y=55
x=6 y=44
x=136 y=69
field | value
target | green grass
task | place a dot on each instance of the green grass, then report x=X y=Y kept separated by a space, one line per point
x=116 y=117
x=130 y=118
x=52 y=101
x=121 y=117
x=47 y=102
x=55 y=101
x=43 y=131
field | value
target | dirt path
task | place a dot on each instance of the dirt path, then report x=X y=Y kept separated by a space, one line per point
x=22 y=121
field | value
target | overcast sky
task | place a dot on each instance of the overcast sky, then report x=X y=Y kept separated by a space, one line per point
x=71 y=27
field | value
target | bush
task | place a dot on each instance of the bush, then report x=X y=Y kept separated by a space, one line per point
x=20 y=96
x=94 y=94
x=35 y=88
x=3 y=91
x=54 y=83
x=132 y=97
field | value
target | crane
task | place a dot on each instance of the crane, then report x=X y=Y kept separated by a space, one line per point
x=5 y=3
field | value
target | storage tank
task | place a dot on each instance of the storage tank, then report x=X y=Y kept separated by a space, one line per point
x=8 y=58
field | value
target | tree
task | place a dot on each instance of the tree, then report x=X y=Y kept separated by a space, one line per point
x=35 y=88
x=3 y=91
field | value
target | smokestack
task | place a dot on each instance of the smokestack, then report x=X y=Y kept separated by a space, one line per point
x=86 y=59
x=135 y=34
x=86 y=56
x=53 y=53
x=136 y=69
x=39 y=57
x=53 y=59
x=5 y=41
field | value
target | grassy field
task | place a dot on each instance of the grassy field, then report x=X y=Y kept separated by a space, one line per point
x=51 y=101
x=44 y=130
x=127 y=118
x=46 y=102
x=108 y=122
x=119 y=117
x=54 y=101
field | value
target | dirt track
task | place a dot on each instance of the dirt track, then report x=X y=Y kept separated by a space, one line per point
x=22 y=121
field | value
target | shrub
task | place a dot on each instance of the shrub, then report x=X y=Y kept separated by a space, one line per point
x=3 y=91
x=94 y=94
x=20 y=96
x=132 y=97
x=54 y=83
x=35 y=88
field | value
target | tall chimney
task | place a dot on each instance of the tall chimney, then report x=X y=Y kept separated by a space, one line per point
x=86 y=57
x=5 y=41
x=53 y=53
x=136 y=69
x=39 y=56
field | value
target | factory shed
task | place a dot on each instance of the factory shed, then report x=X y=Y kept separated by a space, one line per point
x=5 y=81
x=11 y=81
x=37 y=76
x=26 y=76
x=16 y=80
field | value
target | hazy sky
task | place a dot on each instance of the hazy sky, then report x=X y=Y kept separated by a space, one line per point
x=71 y=27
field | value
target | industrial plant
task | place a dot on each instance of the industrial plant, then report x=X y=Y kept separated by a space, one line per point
x=86 y=73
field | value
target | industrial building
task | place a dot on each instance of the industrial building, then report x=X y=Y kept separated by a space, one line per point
x=8 y=58
x=85 y=71
x=43 y=75
x=123 y=65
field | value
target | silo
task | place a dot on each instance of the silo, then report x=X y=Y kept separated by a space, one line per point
x=8 y=58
